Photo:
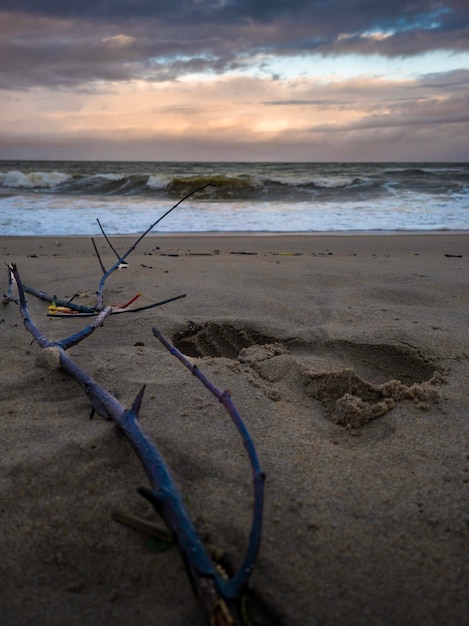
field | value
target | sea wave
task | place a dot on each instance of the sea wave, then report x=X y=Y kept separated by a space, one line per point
x=219 y=186
x=60 y=197
x=16 y=179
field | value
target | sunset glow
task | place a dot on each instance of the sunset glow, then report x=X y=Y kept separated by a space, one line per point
x=100 y=85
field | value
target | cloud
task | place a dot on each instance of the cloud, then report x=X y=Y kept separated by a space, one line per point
x=67 y=44
x=247 y=117
x=406 y=122
x=311 y=77
x=118 y=41
x=422 y=13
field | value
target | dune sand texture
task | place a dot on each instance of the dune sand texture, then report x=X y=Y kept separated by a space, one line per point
x=348 y=357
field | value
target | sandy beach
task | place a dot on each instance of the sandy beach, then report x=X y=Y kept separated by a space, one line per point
x=348 y=358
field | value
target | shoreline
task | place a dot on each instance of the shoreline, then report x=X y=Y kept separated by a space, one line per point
x=453 y=242
x=248 y=233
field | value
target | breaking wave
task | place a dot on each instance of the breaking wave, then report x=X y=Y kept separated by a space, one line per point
x=40 y=197
x=217 y=186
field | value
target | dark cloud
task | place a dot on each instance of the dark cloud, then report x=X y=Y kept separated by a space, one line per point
x=390 y=121
x=343 y=13
x=329 y=15
x=455 y=80
x=445 y=103
x=69 y=44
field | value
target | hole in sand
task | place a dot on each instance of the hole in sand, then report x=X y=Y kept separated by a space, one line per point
x=217 y=340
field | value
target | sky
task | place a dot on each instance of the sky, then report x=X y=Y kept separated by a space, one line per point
x=235 y=80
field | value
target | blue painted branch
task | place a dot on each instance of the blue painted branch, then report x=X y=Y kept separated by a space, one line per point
x=102 y=282
x=8 y=296
x=121 y=311
x=68 y=342
x=218 y=597
x=24 y=311
x=165 y=495
x=36 y=333
x=235 y=585
x=42 y=295
x=122 y=260
x=150 y=228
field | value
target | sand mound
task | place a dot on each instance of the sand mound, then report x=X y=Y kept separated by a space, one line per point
x=353 y=402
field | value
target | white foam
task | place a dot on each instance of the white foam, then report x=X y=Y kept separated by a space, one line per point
x=110 y=177
x=34 y=180
x=157 y=182
x=332 y=182
x=55 y=215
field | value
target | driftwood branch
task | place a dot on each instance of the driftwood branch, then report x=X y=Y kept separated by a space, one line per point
x=8 y=296
x=222 y=595
x=241 y=578
x=117 y=311
x=31 y=327
x=103 y=269
x=42 y=295
x=121 y=260
x=109 y=244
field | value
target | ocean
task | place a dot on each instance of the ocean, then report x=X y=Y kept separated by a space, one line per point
x=69 y=197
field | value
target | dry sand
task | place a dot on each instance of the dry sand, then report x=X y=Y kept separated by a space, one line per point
x=348 y=357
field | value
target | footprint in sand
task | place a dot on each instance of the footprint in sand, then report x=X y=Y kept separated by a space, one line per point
x=341 y=386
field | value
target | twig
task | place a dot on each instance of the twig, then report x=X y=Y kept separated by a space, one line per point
x=122 y=259
x=9 y=297
x=36 y=333
x=108 y=241
x=221 y=598
x=241 y=578
x=120 y=311
x=42 y=295
x=150 y=228
x=103 y=269
x=154 y=529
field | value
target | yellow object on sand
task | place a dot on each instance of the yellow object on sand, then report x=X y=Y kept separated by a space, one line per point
x=60 y=309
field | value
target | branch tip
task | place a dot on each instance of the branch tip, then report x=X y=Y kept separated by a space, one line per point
x=137 y=403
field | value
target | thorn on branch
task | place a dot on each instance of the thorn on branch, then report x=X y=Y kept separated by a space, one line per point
x=151 y=496
x=137 y=403
x=75 y=295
